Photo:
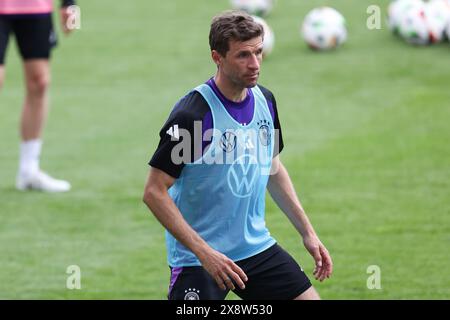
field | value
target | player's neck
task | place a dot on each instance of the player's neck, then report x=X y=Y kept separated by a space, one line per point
x=230 y=91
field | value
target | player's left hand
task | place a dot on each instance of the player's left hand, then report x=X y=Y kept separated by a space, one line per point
x=322 y=258
x=65 y=15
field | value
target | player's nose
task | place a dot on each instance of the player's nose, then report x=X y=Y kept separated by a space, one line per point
x=254 y=62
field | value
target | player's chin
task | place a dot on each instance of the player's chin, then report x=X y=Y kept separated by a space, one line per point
x=252 y=83
x=250 y=80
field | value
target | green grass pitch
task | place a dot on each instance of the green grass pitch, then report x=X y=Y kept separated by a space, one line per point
x=366 y=132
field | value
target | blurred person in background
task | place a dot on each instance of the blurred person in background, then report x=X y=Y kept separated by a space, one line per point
x=31 y=23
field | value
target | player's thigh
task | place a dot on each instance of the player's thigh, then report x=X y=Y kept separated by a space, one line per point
x=194 y=283
x=273 y=275
x=310 y=294
x=35 y=36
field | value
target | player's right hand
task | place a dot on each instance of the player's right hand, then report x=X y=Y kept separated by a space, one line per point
x=223 y=270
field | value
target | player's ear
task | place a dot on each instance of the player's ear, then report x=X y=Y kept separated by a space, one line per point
x=217 y=57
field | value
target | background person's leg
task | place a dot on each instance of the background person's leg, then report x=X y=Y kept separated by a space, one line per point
x=35 y=39
x=34 y=113
x=37 y=81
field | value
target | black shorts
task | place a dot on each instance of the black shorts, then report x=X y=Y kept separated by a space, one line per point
x=272 y=275
x=34 y=34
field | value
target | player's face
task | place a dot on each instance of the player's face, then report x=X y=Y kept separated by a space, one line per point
x=241 y=64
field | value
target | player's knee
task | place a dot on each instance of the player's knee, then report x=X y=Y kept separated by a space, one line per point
x=38 y=83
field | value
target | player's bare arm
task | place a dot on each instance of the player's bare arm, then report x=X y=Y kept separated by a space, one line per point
x=283 y=193
x=224 y=271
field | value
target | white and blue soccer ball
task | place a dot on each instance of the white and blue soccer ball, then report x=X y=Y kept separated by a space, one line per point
x=269 y=36
x=397 y=10
x=254 y=7
x=324 y=28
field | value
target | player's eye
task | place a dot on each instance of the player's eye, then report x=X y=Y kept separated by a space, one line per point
x=243 y=55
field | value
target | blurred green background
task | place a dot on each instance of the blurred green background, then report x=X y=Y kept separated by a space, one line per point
x=366 y=142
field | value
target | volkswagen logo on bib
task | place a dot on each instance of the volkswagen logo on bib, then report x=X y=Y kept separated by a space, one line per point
x=243 y=175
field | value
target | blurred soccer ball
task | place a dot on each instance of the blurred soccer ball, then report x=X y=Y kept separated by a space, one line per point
x=254 y=7
x=413 y=26
x=269 y=36
x=419 y=22
x=448 y=31
x=447 y=6
x=426 y=23
x=324 y=28
x=397 y=9
x=437 y=13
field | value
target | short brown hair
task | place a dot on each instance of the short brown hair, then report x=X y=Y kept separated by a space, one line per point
x=232 y=25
